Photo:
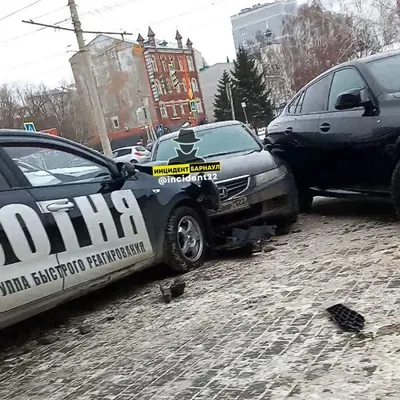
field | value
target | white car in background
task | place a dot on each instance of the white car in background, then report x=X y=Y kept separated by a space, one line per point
x=133 y=154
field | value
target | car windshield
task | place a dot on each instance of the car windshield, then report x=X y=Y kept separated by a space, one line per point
x=140 y=148
x=215 y=141
x=386 y=72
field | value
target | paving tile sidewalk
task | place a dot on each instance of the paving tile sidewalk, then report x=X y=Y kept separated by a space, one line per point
x=244 y=329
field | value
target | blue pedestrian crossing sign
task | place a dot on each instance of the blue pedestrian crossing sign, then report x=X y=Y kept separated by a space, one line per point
x=160 y=129
x=29 y=126
x=193 y=105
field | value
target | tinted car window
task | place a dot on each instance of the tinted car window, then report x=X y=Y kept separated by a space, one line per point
x=316 y=96
x=46 y=167
x=386 y=72
x=292 y=107
x=343 y=80
x=300 y=103
x=224 y=139
x=122 y=152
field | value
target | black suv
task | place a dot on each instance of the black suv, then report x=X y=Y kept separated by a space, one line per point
x=340 y=134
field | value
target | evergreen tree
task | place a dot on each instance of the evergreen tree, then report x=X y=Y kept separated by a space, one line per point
x=222 y=106
x=249 y=87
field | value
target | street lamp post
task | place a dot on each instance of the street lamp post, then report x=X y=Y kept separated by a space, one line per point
x=230 y=98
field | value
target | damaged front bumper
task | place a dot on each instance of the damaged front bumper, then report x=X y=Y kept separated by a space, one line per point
x=269 y=203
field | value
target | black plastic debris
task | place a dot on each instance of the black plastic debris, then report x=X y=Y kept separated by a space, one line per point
x=178 y=287
x=349 y=320
x=243 y=241
x=172 y=289
x=166 y=292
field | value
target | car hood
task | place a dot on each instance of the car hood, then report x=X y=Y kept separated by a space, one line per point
x=233 y=165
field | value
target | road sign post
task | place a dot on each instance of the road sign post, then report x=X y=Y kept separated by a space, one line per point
x=160 y=129
x=193 y=105
x=29 y=126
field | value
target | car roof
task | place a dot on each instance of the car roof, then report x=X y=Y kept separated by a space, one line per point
x=124 y=148
x=355 y=63
x=129 y=147
x=201 y=128
x=45 y=137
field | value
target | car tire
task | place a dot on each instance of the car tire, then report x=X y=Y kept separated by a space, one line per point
x=134 y=161
x=396 y=189
x=185 y=225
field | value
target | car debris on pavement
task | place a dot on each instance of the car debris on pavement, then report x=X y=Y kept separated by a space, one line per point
x=241 y=241
x=172 y=289
x=349 y=320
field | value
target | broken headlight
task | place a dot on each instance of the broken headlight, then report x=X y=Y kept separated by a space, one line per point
x=268 y=176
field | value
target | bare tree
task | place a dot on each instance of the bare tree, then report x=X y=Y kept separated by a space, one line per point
x=10 y=110
x=316 y=40
x=47 y=108
x=325 y=33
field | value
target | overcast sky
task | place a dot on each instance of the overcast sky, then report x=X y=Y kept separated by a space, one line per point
x=32 y=55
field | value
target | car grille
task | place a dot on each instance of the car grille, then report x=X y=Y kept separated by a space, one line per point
x=232 y=187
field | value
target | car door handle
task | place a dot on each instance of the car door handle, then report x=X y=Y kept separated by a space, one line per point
x=324 y=127
x=288 y=130
x=64 y=206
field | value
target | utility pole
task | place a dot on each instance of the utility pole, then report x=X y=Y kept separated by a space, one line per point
x=91 y=83
x=230 y=98
x=244 y=105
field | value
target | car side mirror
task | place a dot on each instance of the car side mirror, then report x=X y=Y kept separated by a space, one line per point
x=349 y=99
x=127 y=170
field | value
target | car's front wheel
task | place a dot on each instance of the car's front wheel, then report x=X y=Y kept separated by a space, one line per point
x=185 y=241
x=133 y=161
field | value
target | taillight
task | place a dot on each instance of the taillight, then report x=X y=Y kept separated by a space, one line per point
x=139 y=154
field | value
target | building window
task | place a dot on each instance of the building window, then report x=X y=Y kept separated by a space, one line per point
x=199 y=106
x=169 y=85
x=183 y=112
x=163 y=110
x=174 y=113
x=242 y=31
x=190 y=63
x=140 y=115
x=180 y=64
x=195 y=86
x=164 y=65
x=158 y=86
x=184 y=85
x=115 y=122
x=178 y=87
x=172 y=61
x=153 y=63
